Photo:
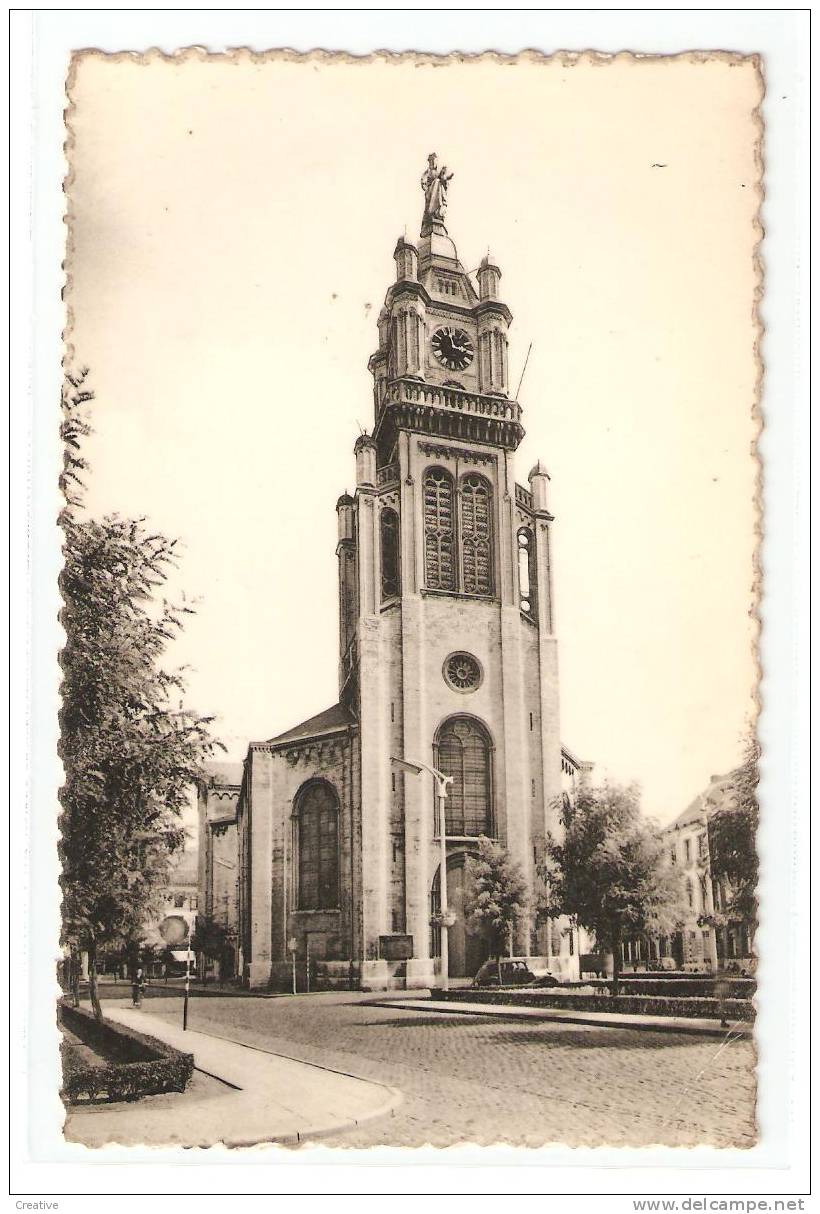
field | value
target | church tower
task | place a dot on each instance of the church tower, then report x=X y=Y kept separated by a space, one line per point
x=448 y=652
x=447 y=658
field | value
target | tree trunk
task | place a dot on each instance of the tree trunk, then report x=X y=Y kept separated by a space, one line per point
x=93 y=988
x=617 y=963
x=74 y=964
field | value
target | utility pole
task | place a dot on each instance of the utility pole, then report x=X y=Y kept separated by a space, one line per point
x=442 y=782
x=188 y=957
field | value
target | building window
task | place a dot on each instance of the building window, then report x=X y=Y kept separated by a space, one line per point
x=476 y=535
x=391 y=571
x=463 y=752
x=673 y=854
x=439 y=530
x=687 y=850
x=527 y=588
x=317 y=820
x=690 y=892
x=462 y=672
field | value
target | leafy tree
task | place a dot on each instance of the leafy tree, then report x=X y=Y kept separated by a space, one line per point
x=732 y=831
x=496 y=895
x=608 y=871
x=130 y=749
x=210 y=938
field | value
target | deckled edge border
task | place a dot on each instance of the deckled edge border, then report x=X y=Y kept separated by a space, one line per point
x=240 y=55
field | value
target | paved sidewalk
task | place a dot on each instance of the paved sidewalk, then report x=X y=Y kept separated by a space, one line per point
x=271 y=1098
x=615 y=1020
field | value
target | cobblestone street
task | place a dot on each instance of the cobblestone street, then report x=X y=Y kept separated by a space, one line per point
x=480 y=1080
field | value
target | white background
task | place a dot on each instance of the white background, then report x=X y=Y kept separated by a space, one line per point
x=42 y=42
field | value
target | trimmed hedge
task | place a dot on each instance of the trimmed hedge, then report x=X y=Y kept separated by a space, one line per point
x=633 y=1005
x=144 y=1066
x=677 y=988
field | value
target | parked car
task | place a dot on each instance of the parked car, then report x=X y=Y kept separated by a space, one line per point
x=547 y=980
x=513 y=973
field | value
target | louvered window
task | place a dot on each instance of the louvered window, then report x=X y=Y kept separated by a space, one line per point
x=439 y=530
x=476 y=536
x=527 y=573
x=318 y=825
x=463 y=752
x=391 y=573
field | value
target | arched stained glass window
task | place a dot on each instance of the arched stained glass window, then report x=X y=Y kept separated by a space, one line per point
x=439 y=530
x=463 y=752
x=476 y=535
x=391 y=570
x=317 y=817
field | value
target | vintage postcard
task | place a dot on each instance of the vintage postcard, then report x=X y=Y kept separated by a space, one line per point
x=410 y=596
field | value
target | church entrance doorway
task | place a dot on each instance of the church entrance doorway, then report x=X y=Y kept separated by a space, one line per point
x=468 y=950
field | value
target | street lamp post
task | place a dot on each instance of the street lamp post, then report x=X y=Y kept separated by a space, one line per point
x=187 y=986
x=442 y=782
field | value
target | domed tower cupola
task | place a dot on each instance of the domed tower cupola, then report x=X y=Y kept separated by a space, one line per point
x=364 y=450
x=494 y=319
x=489 y=277
x=539 y=480
x=406 y=256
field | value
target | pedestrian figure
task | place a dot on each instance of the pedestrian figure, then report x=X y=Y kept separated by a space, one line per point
x=137 y=987
x=721 y=994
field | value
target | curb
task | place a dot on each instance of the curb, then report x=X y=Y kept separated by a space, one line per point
x=298 y=1139
x=394 y=1097
x=510 y=1012
x=317 y=1066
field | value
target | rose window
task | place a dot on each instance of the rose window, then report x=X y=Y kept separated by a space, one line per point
x=462 y=672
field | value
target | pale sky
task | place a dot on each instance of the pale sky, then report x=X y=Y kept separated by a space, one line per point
x=233 y=227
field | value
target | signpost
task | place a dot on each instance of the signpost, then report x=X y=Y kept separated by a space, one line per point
x=293 y=944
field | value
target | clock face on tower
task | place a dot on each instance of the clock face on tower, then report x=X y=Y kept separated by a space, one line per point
x=453 y=348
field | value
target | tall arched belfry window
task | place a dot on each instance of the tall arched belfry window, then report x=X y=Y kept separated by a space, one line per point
x=391 y=569
x=527 y=579
x=317 y=823
x=463 y=751
x=476 y=535
x=439 y=530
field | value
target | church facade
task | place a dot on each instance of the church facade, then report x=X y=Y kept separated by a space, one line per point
x=447 y=657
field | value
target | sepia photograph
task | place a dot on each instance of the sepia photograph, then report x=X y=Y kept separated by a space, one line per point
x=411 y=510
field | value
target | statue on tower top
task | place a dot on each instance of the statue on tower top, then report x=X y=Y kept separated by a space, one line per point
x=434 y=183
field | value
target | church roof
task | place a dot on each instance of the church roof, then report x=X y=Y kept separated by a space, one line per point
x=574 y=761
x=704 y=803
x=332 y=720
x=693 y=813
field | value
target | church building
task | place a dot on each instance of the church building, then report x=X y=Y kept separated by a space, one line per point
x=447 y=657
